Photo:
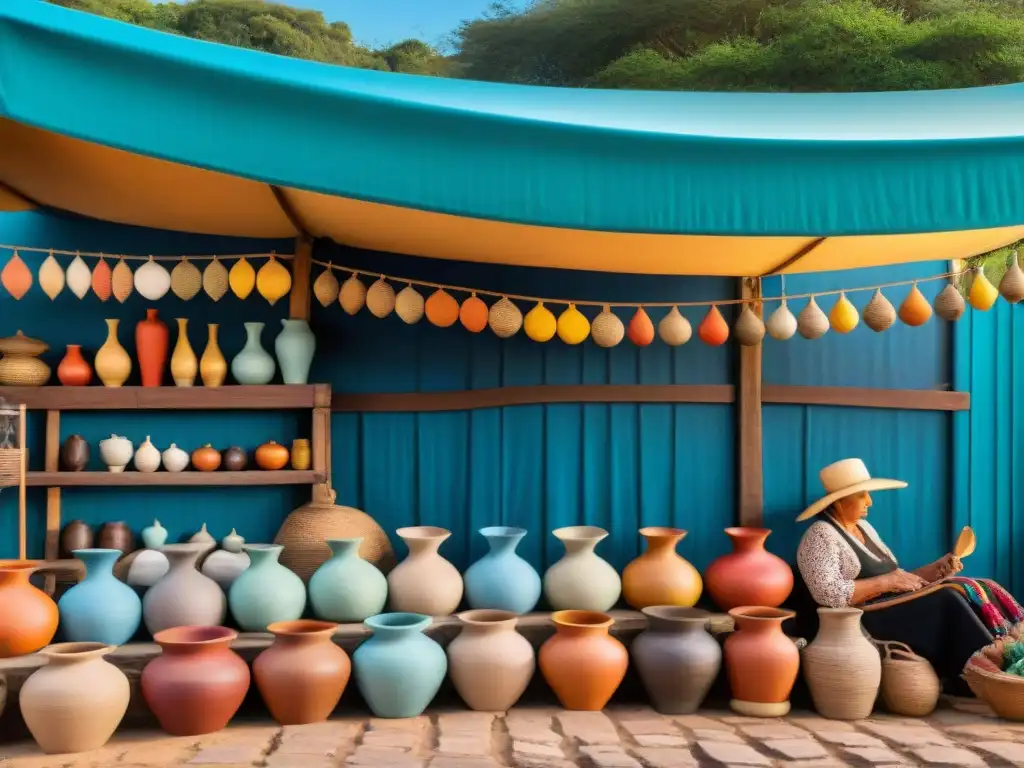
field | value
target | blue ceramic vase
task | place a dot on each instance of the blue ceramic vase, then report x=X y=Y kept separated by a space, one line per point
x=347 y=588
x=253 y=365
x=399 y=669
x=266 y=591
x=100 y=608
x=295 y=346
x=501 y=579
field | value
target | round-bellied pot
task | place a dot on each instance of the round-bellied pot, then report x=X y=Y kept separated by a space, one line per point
x=582 y=580
x=582 y=663
x=198 y=683
x=489 y=662
x=762 y=662
x=116 y=536
x=501 y=579
x=750 y=574
x=424 y=582
x=100 y=608
x=841 y=666
x=76 y=701
x=660 y=576
x=346 y=587
x=676 y=657
x=266 y=591
x=28 y=616
x=183 y=596
x=75 y=535
x=399 y=669
x=303 y=674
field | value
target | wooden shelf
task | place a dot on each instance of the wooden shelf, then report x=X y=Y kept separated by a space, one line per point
x=188 y=478
x=228 y=397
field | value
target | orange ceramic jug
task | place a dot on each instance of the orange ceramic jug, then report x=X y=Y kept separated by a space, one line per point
x=660 y=576
x=582 y=663
x=763 y=663
x=750 y=574
x=28 y=616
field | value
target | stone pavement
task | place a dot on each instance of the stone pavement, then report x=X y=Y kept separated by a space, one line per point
x=541 y=737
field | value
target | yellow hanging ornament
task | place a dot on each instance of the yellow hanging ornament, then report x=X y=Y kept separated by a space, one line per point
x=540 y=324
x=186 y=280
x=915 y=309
x=844 y=316
x=982 y=294
x=573 y=326
x=242 y=278
x=273 y=281
x=352 y=296
x=215 y=279
x=51 y=277
x=326 y=287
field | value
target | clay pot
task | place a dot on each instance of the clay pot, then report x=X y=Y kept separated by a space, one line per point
x=74 y=370
x=198 y=683
x=151 y=344
x=235 y=459
x=28 y=616
x=206 y=459
x=424 y=582
x=842 y=668
x=116 y=452
x=74 y=454
x=76 y=701
x=660 y=576
x=116 y=536
x=582 y=663
x=490 y=663
x=75 y=535
x=271 y=456
x=762 y=662
x=301 y=454
x=184 y=596
x=749 y=575
x=581 y=580
x=676 y=657
x=303 y=674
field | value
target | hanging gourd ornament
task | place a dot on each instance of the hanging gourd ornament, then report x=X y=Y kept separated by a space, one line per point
x=540 y=324
x=473 y=314
x=186 y=280
x=122 y=281
x=78 y=277
x=274 y=281
x=242 y=278
x=51 y=277
x=982 y=294
x=843 y=316
x=102 y=280
x=326 y=287
x=504 y=318
x=352 y=295
x=915 y=309
x=1011 y=287
x=879 y=314
x=16 y=277
x=781 y=325
x=380 y=298
x=713 y=330
x=442 y=309
x=640 y=329
x=949 y=304
x=152 y=280
x=573 y=326
x=748 y=330
x=607 y=329
x=674 y=329
x=409 y=305
x=215 y=279
x=812 y=322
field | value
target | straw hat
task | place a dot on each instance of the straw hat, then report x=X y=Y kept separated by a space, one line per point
x=845 y=478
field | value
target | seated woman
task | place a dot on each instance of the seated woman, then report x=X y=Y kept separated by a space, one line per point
x=843 y=562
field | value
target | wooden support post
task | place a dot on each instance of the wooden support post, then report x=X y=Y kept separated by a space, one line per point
x=302 y=264
x=52 y=464
x=321 y=436
x=749 y=426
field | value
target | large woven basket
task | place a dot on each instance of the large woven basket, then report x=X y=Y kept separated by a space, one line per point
x=910 y=686
x=1002 y=692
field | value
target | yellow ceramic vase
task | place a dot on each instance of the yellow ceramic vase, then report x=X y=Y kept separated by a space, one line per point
x=301 y=454
x=660 y=576
x=213 y=368
x=113 y=364
x=184 y=363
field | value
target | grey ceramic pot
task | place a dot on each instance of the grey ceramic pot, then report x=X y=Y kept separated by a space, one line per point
x=677 y=658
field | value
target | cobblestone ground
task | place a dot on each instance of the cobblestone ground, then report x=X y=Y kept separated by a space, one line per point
x=550 y=738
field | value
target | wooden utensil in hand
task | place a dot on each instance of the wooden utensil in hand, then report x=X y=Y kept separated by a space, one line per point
x=965 y=543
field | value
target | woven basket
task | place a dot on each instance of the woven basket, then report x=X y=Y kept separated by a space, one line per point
x=186 y=280
x=674 y=329
x=326 y=287
x=607 y=329
x=380 y=298
x=910 y=686
x=10 y=467
x=352 y=295
x=122 y=281
x=1012 y=284
x=950 y=305
x=1002 y=692
x=504 y=318
x=749 y=330
x=879 y=314
x=812 y=322
x=215 y=279
x=102 y=280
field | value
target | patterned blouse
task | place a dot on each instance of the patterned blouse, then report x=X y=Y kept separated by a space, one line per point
x=829 y=565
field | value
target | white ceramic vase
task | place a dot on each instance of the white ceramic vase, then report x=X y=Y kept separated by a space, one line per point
x=147 y=457
x=224 y=567
x=581 y=580
x=175 y=459
x=116 y=452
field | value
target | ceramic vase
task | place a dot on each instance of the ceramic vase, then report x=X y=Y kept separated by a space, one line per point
x=184 y=596
x=76 y=701
x=75 y=535
x=74 y=370
x=295 y=346
x=489 y=662
x=144 y=568
x=762 y=662
x=841 y=666
x=253 y=365
x=302 y=675
x=184 y=364
x=174 y=459
x=100 y=608
x=399 y=669
x=749 y=575
x=581 y=662
x=225 y=567
x=266 y=591
x=147 y=457
x=213 y=368
x=151 y=342
x=424 y=582
x=113 y=364
x=154 y=536
x=501 y=579
x=74 y=454
x=28 y=616
x=116 y=535
x=347 y=588
x=660 y=576
x=116 y=452
x=581 y=580
x=677 y=658
x=197 y=683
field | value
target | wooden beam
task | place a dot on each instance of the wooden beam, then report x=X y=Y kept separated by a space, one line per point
x=285 y=204
x=190 y=477
x=230 y=397
x=750 y=436
x=53 y=512
x=302 y=265
x=791 y=260
x=864 y=397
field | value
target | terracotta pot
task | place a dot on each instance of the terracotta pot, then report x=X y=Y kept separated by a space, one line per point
x=490 y=663
x=74 y=370
x=676 y=657
x=303 y=674
x=749 y=575
x=424 y=582
x=235 y=459
x=74 y=454
x=76 y=701
x=75 y=535
x=582 y=663
x=271 y=456
x=183 y=596
x=198 y=683
x=660 y=576
x=206 y=459
x=28 y=616
x=151 y=344
x=841 y=666
x=763 y=663
x=116 y=536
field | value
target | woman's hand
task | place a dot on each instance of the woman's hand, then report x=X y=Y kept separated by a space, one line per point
x=947 y=565
x=901 y=581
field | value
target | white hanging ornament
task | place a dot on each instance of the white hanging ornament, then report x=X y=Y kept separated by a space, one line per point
x=79 y=277
x=674 y=329
x=781 y=325
x=152 y=280
x=51 y=277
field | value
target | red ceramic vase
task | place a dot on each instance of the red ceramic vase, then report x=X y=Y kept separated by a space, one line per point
x=151 y=347
x=74 y=370
x=762 y=662
x=28 y=616
x=198 y=683
x=749 y=575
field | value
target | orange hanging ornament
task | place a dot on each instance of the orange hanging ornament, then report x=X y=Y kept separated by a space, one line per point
x=641 y=329
x=713 y=330
x=915 y=309
x=16 y=277
x=102 y=280
x=442 y=309
x=473 y=314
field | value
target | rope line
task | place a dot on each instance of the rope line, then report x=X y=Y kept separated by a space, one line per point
x=134 y=257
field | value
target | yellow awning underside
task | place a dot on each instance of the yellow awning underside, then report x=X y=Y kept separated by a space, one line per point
x=42 y=168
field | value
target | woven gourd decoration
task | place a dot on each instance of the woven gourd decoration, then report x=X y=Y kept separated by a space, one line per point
x=674 y=329
x=982 y=294
x=122 y=281
x=380 y=298
x=242 y=278
x=949 y=304
x=274 y=281
x=540 y=324
x=915 y=309
x=1011 y=287
x=152 y=280
x=409 y=305
x=215 y=279
x=781 y=325
x=78 y=277
x=713 y=330
x=748 y=330
x=442 y=309
x=573 y=326
x=326 y=287
x=102 y=280
x=504 y=318
x=640 y=329
x=843 y=316
x=16 y=277
x=352 y=295
x=51 y=277
x=812 y=323
x=473 y=314
x=879 y=314
x=186 y=280
x=607 y=329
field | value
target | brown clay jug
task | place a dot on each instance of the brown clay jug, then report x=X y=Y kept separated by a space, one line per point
x=116 y=536
x=303 y=674
x=74 y=454
x=750 y=574
x=75 y=535
x=582 y=663
x=660 y=576
x=28 y=616
x=489 y=662
x=762 y=662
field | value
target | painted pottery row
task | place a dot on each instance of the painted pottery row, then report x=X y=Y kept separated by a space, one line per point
x=117 y=452
x=79 y=535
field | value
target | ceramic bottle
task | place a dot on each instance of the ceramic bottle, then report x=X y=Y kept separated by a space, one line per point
x=841 y=666
x=113 y=365
x=154 y=536
x=582 y=663
x=116 y=452
x=74 y=370
x=151 y=342
x=660 y=576
x=28 y=616
x=213 y=368
x=116 y=535
x=100 y=608
x=76 y=701
x=184 y=364
x=749 y=575
x=75 y=535
x=266 y=591
x=147 y=457
x=175 y=459
x=581 y=580
x=347 y=588
x=762 y=662
x=501 y=579
x=489 y=662
x=145 y=569
x=74 y=454
x=676 y=657
x=424 y=582
x=253 y=365
x=184 y=596
x=295 y=346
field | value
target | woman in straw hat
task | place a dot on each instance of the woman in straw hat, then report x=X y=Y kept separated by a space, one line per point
x=843 y=561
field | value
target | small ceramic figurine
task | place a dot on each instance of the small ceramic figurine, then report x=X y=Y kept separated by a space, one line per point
x=154 y=536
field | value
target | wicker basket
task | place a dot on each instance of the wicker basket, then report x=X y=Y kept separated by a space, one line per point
x=1002 y=692
x=10 y=467
x=910 y=686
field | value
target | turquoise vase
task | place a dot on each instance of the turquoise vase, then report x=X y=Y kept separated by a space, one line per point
x=266 y=591
x=253 y=365
x=295 y=346
x=347 y=588
x=501 y=579
x=399 y=669
x=100 y=608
